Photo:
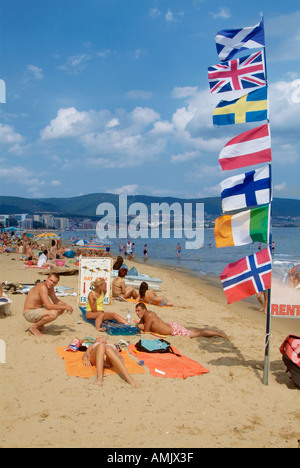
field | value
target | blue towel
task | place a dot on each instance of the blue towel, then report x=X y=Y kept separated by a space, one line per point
x=112 y=327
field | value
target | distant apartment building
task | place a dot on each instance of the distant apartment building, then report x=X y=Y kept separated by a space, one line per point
x=49 y=221
x=3 y=219
x=62 y=223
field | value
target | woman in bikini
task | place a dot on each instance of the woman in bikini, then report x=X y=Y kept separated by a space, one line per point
x=94 y=310
x=118 y=286
x=148 y=295
x=102 y=354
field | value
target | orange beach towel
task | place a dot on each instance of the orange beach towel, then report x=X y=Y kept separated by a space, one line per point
x=74 y=364
x=169 y=365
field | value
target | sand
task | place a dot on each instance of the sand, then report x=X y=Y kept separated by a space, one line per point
x=228 y=407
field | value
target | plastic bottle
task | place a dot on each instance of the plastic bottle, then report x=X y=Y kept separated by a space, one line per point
x=128 y=317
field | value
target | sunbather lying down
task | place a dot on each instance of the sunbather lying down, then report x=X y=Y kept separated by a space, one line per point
x=149 y=296
x=150 y=322
x=102 y=353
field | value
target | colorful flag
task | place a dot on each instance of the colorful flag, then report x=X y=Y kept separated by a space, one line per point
x=247 y=276
x=252 y=107
x=231 y=41
x=247 y=149
x=243 y=228
x=246 y=190
x=242 y=73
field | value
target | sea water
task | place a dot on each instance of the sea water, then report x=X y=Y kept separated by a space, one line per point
x=207 y=260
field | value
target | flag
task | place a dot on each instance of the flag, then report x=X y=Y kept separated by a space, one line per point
x=251 y=107
x=246 y=190
x=242 y=73
x=247 y=276
x=247 y=149
x=231 y=41
x=243 y=228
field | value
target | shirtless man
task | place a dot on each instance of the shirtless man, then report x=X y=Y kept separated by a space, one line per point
x=150 y=322
x=38 y=308
x=29 y=255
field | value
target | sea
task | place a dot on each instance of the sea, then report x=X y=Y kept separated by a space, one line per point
x=205 y=261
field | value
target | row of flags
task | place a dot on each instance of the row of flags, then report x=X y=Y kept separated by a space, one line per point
x=249 y=191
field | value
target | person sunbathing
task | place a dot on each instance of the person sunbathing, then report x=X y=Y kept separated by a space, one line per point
x=42 y=306
x=149 y=296
x=102 y=353
x=94 y=310
x=118 y=286
x=150 y=322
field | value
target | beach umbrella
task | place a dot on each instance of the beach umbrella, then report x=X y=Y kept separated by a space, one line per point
x=10 y=229
x=69 y=254
x=93 y=246
x=47 y=235
x=80 y=242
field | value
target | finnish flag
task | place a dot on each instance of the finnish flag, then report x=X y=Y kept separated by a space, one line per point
x=246 y=190
x=231 y=41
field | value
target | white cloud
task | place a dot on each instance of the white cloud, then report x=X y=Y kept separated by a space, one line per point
x=223 y=12
x=184 y=92
x=21 y=176
x=75 y=63
x=33 y=72
x=173 y=18
x=8 y=136
x=112 y=123
x=69 y=122
x=162 y=127
x=125 y=190
x=154 y=13
x=144 y=115
x=188 y=156
x=280 y=187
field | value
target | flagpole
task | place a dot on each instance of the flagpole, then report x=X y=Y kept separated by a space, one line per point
x=267 y=362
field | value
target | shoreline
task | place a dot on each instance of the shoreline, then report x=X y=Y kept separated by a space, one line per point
x=228 y=407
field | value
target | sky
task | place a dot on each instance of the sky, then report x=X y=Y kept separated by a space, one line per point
x=112 y=96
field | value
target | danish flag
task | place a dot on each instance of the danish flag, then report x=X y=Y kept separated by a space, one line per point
x=242 y=73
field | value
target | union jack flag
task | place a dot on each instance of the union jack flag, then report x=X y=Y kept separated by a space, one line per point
x=242 y=73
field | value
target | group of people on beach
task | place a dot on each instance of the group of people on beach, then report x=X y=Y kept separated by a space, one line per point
x=42 y=307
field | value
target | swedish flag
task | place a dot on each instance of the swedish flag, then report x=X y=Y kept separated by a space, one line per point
x=253 y=107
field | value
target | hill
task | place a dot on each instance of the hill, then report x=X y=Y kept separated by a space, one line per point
x=86 y=205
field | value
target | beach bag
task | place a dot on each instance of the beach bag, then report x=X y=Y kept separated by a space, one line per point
x=155 y=346
x=290 y=350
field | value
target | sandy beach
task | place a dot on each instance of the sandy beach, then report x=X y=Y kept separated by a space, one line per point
x=228 y=407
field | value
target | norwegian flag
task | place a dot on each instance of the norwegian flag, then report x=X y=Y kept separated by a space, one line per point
x=242 y=73
x=247 y=276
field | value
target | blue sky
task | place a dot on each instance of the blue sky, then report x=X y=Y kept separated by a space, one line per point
x=113 y=96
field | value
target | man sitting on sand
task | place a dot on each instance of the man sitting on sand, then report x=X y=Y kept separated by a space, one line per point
x=150 y=322
x=38 y=308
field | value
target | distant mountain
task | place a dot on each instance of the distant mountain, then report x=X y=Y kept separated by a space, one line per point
x=86 y=205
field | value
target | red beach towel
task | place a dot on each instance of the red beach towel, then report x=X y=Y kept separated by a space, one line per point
x=169 y=365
